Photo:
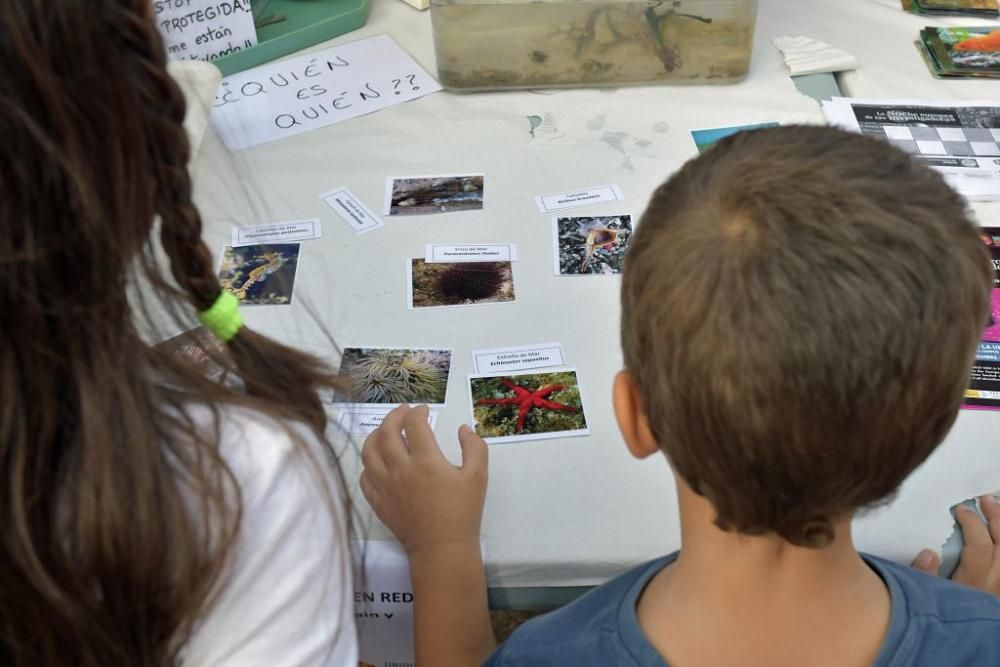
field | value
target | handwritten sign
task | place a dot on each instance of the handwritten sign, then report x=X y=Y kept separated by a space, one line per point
x=293 y=96
x=205 y=29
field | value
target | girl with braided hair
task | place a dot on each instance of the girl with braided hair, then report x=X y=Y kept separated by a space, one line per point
x=151 y=515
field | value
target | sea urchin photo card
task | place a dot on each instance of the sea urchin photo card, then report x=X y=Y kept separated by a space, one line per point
x=436 y=284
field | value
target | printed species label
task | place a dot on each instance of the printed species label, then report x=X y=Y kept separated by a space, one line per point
x=352 y=211
x=495 y=252
x=576 y=198
x=363 y=422
x=504 y=360
x=280 y=232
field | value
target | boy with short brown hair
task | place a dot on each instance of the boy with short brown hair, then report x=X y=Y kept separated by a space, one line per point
x=800 y=309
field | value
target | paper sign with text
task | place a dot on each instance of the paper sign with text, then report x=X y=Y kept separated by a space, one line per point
x=280 y=232
x=293 y=96
x=486 y=252
x=363 y=422
x=204 y=29
x=522 y=357
x=351 y=210
x=575 y=198
x=383 y=603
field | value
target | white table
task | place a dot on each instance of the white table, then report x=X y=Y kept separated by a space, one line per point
x=576 y=511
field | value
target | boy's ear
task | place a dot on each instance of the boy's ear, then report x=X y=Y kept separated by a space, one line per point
x=632 y=421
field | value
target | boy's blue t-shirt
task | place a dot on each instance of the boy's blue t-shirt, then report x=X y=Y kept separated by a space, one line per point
x=934 y=622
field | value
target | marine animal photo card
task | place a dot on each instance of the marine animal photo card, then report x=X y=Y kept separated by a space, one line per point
x=393 y=376
x=515 y=407
x=983 y=392
x=591 y=245
x=422 y=195
x=961 y=51
x=261 y=274
x=978 y=8
x=706 y=138
x=437 y=284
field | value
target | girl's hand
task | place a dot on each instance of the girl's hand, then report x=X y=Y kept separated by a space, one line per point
x=423 y=499
x=979 y=564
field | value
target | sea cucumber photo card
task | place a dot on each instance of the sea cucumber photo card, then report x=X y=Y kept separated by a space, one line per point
x=527 y=406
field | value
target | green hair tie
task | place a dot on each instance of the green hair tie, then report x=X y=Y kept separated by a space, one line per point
x=224 y=318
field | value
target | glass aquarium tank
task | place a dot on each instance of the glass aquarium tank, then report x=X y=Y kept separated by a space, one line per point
x=503 y=44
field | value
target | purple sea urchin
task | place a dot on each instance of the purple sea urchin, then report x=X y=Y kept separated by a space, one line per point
x=471 y=280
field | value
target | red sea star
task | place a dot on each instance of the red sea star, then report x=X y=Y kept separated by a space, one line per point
x=526 y=400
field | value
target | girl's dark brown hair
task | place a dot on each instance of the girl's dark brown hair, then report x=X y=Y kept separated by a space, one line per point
x=104 y=559
x=801 y=307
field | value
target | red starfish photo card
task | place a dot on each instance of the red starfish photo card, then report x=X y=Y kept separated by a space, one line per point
x=527 y=406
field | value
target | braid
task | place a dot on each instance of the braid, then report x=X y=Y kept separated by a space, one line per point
x=254 y=357
x=169 y=151
x=181 y=227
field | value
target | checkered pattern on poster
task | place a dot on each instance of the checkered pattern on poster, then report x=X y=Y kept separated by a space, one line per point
x=926 y=130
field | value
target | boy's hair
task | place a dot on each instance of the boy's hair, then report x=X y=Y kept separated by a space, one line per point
x=800 y=309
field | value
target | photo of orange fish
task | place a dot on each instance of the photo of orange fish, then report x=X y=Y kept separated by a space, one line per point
x=988 y=42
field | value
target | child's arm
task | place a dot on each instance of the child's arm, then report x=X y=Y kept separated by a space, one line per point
x=979 y=563
x=434 y=509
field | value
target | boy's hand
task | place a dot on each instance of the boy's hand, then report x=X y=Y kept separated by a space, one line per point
x=979 y=564
x=422 y=498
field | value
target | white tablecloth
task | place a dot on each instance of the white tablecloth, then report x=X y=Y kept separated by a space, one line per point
x=572 y=511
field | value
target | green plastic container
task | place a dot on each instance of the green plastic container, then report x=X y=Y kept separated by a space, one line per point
x=308 y=22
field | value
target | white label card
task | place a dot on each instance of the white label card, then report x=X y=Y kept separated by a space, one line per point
x=383 y=608
x=522 y=357
x=363 y=422
x=576 y=198
x=351 y=210
x=487 y=252
x=204 y=29
x=383 y=603
x=280 y=232
x=293 y=96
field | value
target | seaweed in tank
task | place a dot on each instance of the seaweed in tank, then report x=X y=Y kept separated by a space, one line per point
x=589 y=42
x=655 y=25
